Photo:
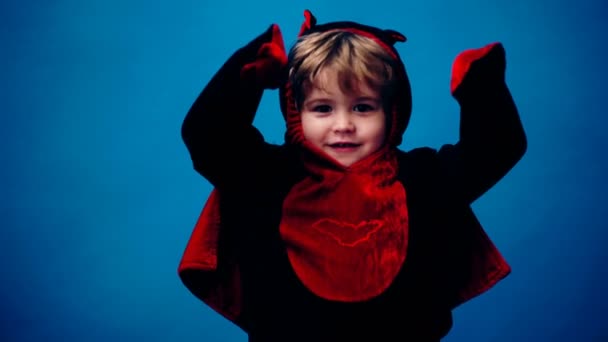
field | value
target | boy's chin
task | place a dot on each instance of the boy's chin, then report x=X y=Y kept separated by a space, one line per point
x=349 y=159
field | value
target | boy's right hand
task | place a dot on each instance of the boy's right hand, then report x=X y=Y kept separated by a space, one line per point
x=269 y=69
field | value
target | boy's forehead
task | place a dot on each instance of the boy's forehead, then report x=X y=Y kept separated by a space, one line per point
x=328 y=81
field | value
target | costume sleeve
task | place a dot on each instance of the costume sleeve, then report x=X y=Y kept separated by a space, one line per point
x=492 y=139
x=218 y=129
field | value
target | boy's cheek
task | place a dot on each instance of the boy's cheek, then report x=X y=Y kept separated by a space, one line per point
x=309 y=126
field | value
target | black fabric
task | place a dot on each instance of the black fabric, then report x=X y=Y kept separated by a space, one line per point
x=279 y=308
x=255 y=176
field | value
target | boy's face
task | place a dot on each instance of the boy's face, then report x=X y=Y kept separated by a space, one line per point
x=347 y=126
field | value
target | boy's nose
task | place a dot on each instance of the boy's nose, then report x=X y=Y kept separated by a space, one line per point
x=343 y=123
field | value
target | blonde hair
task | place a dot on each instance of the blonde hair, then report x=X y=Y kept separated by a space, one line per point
x=354 y=58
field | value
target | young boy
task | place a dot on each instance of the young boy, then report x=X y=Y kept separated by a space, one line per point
x=337 y=234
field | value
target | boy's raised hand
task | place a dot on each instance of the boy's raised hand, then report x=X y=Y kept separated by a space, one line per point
x=474 y=70
x=269 y=69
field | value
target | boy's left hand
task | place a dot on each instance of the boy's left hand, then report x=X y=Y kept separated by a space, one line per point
x=476 y=69
x=269 y=68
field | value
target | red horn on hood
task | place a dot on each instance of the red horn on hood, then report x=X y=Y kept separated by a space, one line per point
x=309 y=22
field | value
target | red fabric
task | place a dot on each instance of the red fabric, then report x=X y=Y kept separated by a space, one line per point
x=309 y=21
x=486 y=265
x=345 y=231
x=218 y=287
x=270 y=62
x=201 y=251
x=462 y=63
x=395 y=36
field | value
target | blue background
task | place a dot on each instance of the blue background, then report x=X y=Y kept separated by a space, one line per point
x=98 y=195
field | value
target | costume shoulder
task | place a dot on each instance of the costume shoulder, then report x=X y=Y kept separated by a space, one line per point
x=465 y=261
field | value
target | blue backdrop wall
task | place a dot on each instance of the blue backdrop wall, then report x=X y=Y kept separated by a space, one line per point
x=98 y=195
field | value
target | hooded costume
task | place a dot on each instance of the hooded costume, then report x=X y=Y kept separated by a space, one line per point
x=291 y=245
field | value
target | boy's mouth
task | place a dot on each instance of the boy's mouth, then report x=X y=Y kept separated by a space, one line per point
x=344 y=145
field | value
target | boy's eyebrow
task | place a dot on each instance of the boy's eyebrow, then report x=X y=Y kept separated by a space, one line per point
x=368 y=98
x=316 y=100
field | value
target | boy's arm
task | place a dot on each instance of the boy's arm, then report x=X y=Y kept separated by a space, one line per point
x=218 y=130
x=492 y=139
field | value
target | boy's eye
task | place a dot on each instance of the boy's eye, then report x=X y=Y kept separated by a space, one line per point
x=363 y=107
x=322 y=108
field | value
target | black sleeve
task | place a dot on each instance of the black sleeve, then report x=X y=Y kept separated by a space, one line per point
x=492 y=139
x=218 y=130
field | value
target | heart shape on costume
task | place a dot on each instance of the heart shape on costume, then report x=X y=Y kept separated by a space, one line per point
x=348 y=234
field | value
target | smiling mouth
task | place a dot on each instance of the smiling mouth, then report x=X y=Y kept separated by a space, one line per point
x=344 y=145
